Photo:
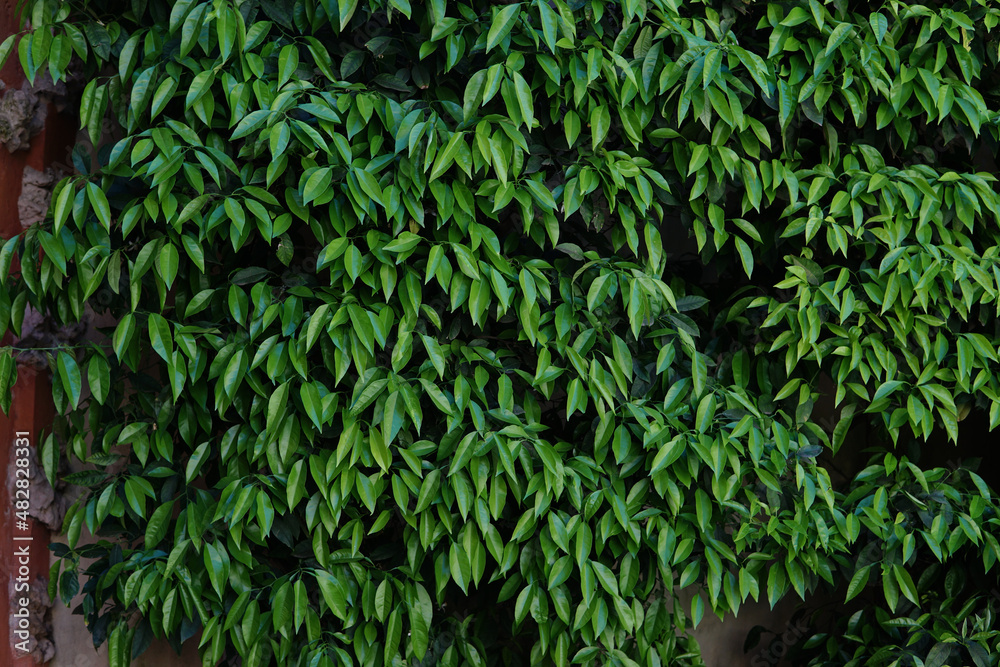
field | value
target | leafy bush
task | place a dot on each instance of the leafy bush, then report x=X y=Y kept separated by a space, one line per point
x=469 y=333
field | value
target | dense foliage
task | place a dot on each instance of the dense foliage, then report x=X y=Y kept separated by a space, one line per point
x=470 y=333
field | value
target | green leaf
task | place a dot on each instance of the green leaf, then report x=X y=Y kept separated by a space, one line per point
x=379 y=445
x=703 y=509
x=699 y=373
x=99 y=202
x=7 y=255
x=317 y=184
x=473 y=96
x=571 y=126
x=419 y=635
x=837 y=37
x=276 y=407
x=502 y=24
x=194 y=251
x=462 y=454
x=600 y=123
x=192 y=207
x=576 y=398
x=217 y=565
x=906 y=584
x=370 y=186
x=524 y=99
x=288 y=62
x=392 y=420
x=879 y=25
x=70 y=377
x=403 y=6
x=159 y=336
x=786 y=103
x=164 y=93
x=368 y=394
x=54 y=250
x=333 y=593
x=295 y=489
x=705 y=413
x=347 y=8
x=251 y=122
x=49 y=456
x=444 y=160
x=979 y=654
x=428 y=490
x=99 y=377
x=746 y=255
x=890 y=587
x=541 y=194
x=123 y=335
x=939 y=654
x=598 y=292
x=196 y=461
x=403 y=243
x=6 y=47
x=550 y=25
x=168 y=262
x=667 y=454
x=156 y=529
x=312 y=403
x=699 y=157
x=560 y=572
x=777 y=583
x=200 y=86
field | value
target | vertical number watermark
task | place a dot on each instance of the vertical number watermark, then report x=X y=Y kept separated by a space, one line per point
x=22 y=540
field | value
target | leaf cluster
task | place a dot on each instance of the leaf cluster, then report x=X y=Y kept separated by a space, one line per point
x=468 y=333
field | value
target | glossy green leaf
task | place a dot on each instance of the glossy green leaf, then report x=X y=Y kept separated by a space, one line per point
x=502 y=24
